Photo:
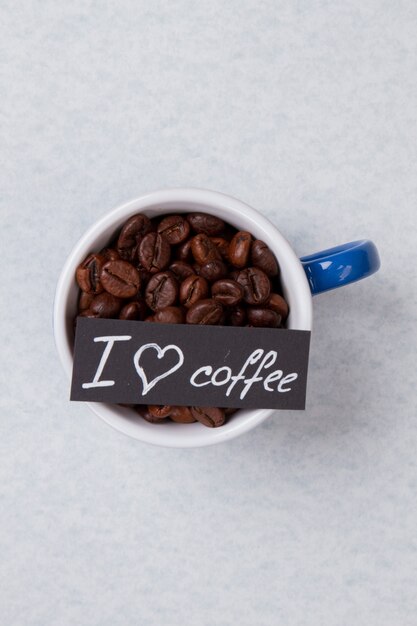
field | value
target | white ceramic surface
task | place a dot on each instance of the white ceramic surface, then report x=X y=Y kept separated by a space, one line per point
x=237 y=213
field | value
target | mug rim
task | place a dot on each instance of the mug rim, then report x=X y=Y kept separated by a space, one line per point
x=181 y=435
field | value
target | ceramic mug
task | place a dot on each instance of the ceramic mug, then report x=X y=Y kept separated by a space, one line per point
x=300 y=279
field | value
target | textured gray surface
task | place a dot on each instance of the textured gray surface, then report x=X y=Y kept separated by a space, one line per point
x=306 y=110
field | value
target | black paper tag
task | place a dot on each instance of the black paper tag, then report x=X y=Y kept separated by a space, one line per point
x=182 y=364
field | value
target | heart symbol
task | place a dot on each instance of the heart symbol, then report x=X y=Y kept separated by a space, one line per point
x=147 y=386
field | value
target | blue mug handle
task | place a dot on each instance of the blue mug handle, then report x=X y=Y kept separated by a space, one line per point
x=341 y=265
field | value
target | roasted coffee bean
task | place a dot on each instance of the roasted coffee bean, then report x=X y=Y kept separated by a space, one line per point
x=236 y=315
x=204 y=250
x=259 y=316
x=222 y=246
x=208 y=415
x=106 y=305
x=142 y=410
x=110 y=254
x=159 y=411
x=239 y=249
x=205 y=312
x=132 y=311
x=226 y=291
x=182 y=415
x=88 y=274
x=256 y=285
x=213 y=270
x=120 y=279
x=174 y=228
x=263 y=258
x=229 y=411
x=193 y=288
x=169 y=315
x=87 y=313
x=183 y=252
x=205 y=223
x=181 y=270
x=131 y=235
x=161 y=291
x=85 y=300
x=154 y=252
x=277 y=303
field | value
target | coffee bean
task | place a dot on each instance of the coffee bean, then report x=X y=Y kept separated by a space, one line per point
x=226 y=291
x=120 y=279
x=213 y=270
x=182 y=415
x=181 y=270
x=142 y=410
x=132 y=311
x=205 y=223
x=209 y=416
x=161 y=291
x=259 y=316
x=277 y=303
x=204 y=250
x=85 y=300
x=222 y=246
x=183 y=252
x=87 y=313
x=88 y=274
x=154 y=252
x=169 y=315
x=263 y=258
x=106 y=305
x=256 y=285
x=239 y=249
x=131 y=235
x=193 y=288
x=159 y=411
x=174 y=228
x=205 y=312
x=110 y=254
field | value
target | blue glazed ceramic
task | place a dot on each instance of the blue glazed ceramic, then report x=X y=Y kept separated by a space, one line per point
x=341 y=265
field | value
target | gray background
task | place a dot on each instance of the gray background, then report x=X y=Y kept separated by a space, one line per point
x=307 y=111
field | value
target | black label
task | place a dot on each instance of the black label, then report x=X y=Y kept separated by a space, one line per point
x=184 y=364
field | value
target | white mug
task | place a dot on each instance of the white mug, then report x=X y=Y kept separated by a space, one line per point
x=296 y=289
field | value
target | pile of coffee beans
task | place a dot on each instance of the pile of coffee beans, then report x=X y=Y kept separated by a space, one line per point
x=191 y=268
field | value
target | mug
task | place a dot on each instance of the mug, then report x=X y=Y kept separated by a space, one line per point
x=300 y=278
